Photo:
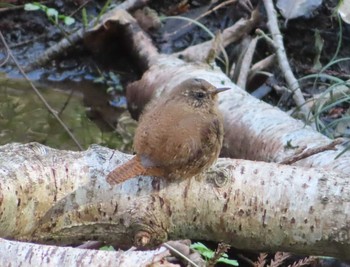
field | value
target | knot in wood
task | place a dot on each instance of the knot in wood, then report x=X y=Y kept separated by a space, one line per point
x=148 y=234
x=218 y=176
x=324 y=200
x=142 y=239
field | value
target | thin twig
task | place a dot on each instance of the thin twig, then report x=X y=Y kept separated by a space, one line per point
x=10 y=8
x=79 y=8
x=282 y=58
x=246 y=259
x=215 y=8
x=312 y=151
x=262 y=65
x=47 y=105
x=200 y=17
x=5 y=59
x=180 y=254
x=246 y=63
x=229 y=35
x=41 y=36
x=265 y=36
x=66 y=102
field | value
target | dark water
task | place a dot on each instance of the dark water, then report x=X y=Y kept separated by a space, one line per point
x=83 y=107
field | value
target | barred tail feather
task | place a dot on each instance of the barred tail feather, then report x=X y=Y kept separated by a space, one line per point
x=126 y=171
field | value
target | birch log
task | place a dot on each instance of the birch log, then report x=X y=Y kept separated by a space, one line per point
x=27 y=254
x=254 y=130
x=61 y=197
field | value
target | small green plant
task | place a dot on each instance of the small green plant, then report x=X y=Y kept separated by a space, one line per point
x=208 y=254
x=332 y=107
x=107 y=248
x=84 y=18
x=104 y=9
x=95 y=20
x=51 y=13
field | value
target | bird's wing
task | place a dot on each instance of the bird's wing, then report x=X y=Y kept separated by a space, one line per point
x=179 y=138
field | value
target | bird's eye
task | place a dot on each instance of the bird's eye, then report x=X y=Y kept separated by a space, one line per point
x=199 y=95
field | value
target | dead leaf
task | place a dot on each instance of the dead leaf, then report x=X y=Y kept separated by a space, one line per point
x=291 y=9
x=344 y=10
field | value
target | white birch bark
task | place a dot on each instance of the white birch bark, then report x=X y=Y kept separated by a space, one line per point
x=61 y=197
x=23 y=254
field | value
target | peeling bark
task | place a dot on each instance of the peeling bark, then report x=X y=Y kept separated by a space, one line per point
x=250 y=205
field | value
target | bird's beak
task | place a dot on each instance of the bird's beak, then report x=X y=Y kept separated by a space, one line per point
x=219 y=90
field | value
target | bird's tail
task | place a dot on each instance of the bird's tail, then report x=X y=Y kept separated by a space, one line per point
x=126 y=171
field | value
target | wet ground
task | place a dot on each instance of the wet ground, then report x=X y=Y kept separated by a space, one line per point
x=88 y=94
x=24 y=118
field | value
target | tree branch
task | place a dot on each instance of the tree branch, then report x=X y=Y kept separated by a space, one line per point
x=292 y=82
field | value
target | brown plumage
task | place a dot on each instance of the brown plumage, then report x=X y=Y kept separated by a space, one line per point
x=178 y=136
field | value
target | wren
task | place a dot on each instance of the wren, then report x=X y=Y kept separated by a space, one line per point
x=178 y=136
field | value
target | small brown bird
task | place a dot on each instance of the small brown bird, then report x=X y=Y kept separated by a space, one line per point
x=178 y=136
